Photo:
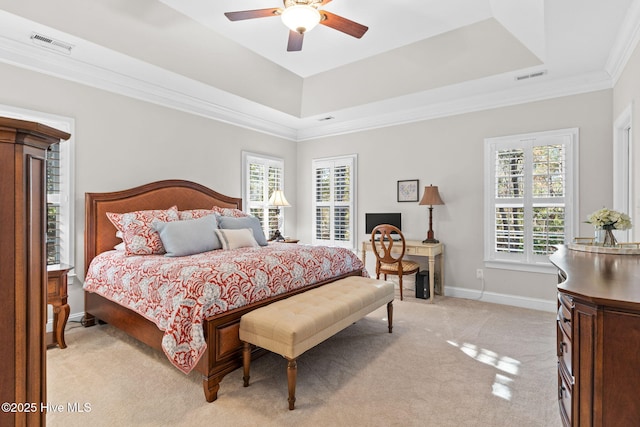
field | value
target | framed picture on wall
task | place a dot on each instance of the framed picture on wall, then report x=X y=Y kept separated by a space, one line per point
x=408 y=190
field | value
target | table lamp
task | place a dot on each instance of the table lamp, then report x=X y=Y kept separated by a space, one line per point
x=431 y=197
x=278 y=200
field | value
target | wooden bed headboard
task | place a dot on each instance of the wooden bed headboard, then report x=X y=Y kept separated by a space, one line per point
x=100 y=233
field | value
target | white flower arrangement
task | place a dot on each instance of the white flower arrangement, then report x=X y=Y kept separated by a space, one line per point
x=609 y=219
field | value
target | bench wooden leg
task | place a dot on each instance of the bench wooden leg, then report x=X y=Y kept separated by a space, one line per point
x=390 y=315
x=246 y=363
x=292 y=372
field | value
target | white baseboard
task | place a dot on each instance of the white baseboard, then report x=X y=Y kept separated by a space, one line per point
x=73 y=317
x=517 y=301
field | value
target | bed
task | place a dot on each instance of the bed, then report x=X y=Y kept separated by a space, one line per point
x=220 y=351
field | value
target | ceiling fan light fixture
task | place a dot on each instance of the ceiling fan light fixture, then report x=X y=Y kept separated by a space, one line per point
x=301 y=18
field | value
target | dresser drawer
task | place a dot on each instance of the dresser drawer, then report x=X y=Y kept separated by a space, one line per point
x=564 y=350
x=53 y=288
x=564 y=400
x=565 y=314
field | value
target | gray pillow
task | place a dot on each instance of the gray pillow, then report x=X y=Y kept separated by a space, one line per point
x=188 y=237
x=245 y=222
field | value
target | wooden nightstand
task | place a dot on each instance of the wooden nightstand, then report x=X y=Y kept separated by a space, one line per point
x=57 y=297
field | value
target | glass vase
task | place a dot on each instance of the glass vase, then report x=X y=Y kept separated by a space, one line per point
x=604 y=237
x=598 y=236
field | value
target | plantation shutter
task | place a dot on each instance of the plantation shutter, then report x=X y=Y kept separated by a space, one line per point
x=334 y=201
x=264 y=175
x=530 y=195
x=54 y=230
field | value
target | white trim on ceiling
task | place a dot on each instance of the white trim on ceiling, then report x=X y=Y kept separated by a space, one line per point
x=626 y=42
x=153 y=84
x=484 y=101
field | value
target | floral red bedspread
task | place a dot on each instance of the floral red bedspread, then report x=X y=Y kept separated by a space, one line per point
x=178 y=293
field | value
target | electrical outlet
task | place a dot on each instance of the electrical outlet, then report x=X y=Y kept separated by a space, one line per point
x=480 y=274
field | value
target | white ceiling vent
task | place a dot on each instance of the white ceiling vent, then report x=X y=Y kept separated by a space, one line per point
x=51 y=43
x=531 y=76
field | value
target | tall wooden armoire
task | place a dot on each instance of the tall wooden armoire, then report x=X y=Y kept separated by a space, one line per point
x=23 y=270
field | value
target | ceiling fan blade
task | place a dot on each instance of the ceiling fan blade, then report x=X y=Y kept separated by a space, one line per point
x=343 y=24
x=250 y=14
x=295 y=41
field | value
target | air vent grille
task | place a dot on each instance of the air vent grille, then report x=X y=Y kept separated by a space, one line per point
x=532 y=75
x=51 y=43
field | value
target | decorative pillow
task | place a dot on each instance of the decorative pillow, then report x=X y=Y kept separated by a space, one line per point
x=120 y=246
x=236 y=238
x=250 y=222
x=138 y=233
x=235 y=213
x=195 y=213
x=188 y=237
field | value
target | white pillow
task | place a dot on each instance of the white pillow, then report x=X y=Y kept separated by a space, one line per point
x=250 y=222
x=188 y=237
x=236 y=238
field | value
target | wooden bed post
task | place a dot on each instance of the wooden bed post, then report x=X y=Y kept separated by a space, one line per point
x=211 y=386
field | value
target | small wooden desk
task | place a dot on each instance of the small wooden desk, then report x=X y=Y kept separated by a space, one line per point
x=417 y=248
x=57 y=297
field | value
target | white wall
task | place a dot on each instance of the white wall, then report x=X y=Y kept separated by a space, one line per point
x=627 y=92
x=122 y=143
x=448 y=152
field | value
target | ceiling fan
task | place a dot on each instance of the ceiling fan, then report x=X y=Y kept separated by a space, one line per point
x=301 y=16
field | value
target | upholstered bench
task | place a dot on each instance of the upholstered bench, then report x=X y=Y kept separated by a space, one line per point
x=292 y=326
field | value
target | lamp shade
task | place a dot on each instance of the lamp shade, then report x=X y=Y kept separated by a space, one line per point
x=277 y=199
x=431 y=196
x=300 y=18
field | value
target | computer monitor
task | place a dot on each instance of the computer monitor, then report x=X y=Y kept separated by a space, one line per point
x=374 y=219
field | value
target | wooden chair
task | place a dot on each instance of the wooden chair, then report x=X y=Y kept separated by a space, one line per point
x=388 y=260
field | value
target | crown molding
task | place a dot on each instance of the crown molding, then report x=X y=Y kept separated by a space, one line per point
x=466 y=104
x=111 y=71
x=625 y=43
x=145 y=82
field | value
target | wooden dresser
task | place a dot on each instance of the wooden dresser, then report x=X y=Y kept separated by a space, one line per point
x=598 y=338
x=23 y=269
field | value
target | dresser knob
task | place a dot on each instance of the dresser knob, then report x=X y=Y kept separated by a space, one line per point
x=561 y=391
x=562 y=346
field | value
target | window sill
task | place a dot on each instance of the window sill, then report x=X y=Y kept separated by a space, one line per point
x=544 y=268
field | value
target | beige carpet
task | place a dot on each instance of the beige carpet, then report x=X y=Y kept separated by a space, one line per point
x=455 y=363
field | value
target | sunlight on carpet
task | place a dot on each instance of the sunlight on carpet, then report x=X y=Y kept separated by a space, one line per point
x=454 y=363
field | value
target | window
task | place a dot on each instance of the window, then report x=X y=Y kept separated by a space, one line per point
x=334 y=213
x=530 y=197
x=59 y=184
x=263 y=175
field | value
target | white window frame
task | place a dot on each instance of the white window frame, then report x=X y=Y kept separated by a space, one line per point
x=623 y=199
x=331 y=162
x=65 y=197
x=528 y=261
x=249 y=158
